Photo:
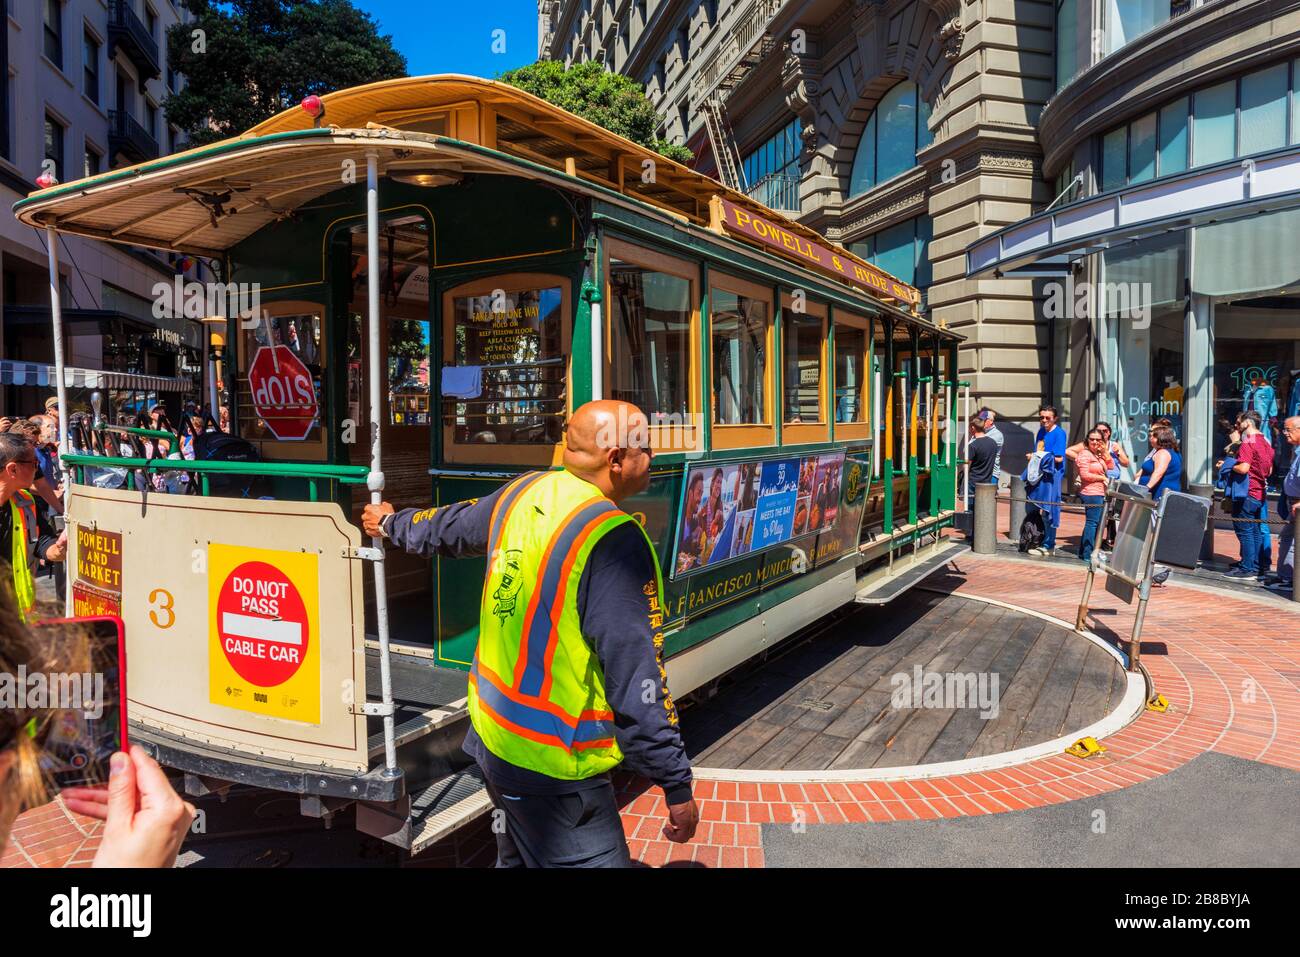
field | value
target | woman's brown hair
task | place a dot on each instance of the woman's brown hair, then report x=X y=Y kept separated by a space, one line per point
x=1165 y=438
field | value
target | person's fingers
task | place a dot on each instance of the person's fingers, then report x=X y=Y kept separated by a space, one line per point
x=121 y=804
x=95 y=809
x=151 y=781
x=98 y=795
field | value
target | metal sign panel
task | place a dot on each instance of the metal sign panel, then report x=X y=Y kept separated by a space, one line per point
x=244 y=618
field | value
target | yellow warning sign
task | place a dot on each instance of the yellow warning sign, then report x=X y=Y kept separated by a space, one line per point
x=264 y=632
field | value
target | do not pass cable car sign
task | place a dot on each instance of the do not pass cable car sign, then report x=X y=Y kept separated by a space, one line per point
x=264 y=636
x=283 y=392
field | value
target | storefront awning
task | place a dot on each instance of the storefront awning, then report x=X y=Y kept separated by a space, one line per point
x=41 y=375
x=1048 y=242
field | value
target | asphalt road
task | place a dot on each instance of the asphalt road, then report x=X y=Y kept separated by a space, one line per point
x=1214 y=811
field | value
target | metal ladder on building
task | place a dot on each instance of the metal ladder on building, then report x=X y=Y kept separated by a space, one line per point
x=723 y=141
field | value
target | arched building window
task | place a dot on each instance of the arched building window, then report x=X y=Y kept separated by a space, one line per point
x=895 y=133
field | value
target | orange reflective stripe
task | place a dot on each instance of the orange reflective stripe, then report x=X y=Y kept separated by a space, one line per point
x=521 y=662
x=557 y=605
x=547 y=739
x=541 y=737
x=515 y=695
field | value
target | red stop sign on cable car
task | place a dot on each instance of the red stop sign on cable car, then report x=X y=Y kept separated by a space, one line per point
x=283 y=393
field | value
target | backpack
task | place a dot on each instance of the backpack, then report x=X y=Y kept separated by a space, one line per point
x=1032 y=530
x=218 y=446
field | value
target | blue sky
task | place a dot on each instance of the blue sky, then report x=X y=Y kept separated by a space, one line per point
x=456 y=36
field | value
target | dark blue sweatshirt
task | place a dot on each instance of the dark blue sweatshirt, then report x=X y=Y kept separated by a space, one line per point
x=618 y=618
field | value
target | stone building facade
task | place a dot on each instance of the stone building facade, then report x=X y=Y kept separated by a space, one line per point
x=1031 y=118
x=981 y=70
x=81 y=92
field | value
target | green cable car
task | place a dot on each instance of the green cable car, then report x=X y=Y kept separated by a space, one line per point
x=414 y=283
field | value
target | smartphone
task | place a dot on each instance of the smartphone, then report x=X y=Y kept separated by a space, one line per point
x=81 y=740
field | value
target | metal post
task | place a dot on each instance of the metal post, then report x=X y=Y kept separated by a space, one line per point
x=597 y=327
x=985 y=522
x=1094 y=564
x=1144 y=592
x=1295 y=550
x=929 y=426
x=1017 y=506
x=375 y=480
x=61 y=386
x=906 y=425
x=213 y=395
x=1135 y=643
x=56 y=314
x=1087 y=596
x=965 y=480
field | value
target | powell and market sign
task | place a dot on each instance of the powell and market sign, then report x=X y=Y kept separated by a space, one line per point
x=835 y=263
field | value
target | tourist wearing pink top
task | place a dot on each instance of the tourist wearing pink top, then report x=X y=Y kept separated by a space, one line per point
x=1092 y=472
x=1091 y=463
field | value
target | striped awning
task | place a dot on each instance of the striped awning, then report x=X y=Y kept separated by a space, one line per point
x=39 y=374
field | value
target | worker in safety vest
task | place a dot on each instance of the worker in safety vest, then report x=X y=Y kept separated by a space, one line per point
x=568 y=679
x=24 y=533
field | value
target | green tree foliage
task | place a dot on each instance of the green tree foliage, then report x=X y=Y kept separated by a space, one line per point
x=256 y=58
x=610 y=100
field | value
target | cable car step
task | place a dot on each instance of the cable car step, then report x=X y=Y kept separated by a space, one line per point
x=446 y=806
x=433 y=813
x=881 y=586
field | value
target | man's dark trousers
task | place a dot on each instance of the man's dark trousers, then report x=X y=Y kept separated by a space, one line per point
x=580 y=828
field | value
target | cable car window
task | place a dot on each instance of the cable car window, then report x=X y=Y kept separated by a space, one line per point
x=408 y=372
x=803 y=367
x=506 y=382
x=740 y=335
x=850 y=374
x=651 y=316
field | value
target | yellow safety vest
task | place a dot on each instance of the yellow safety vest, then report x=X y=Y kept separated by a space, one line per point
x=536 y=688
x=22 y=508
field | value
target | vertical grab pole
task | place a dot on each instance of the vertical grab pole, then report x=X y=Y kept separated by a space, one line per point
x=594 y=298
x=61 y=386
x=375 y=480
x=965 y=479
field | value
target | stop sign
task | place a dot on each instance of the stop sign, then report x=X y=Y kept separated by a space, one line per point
x=283 y=393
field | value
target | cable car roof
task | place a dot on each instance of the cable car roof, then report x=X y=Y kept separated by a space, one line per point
x=208 y=199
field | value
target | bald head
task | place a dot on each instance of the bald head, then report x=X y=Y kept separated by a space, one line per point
x=607 y=443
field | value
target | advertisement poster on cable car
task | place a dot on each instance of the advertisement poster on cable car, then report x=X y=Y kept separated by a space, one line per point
x=743 y=507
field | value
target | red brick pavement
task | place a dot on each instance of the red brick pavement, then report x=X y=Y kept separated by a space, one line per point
x=1228 y=665
x=1233 y=690
x=52 y=836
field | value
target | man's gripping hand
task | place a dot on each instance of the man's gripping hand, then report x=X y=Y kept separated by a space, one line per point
x=372 y=516
x=683 y=819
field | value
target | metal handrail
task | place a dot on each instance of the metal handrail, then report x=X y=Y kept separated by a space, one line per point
x=312 y=473
x=143 y=433
x=342 y=473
